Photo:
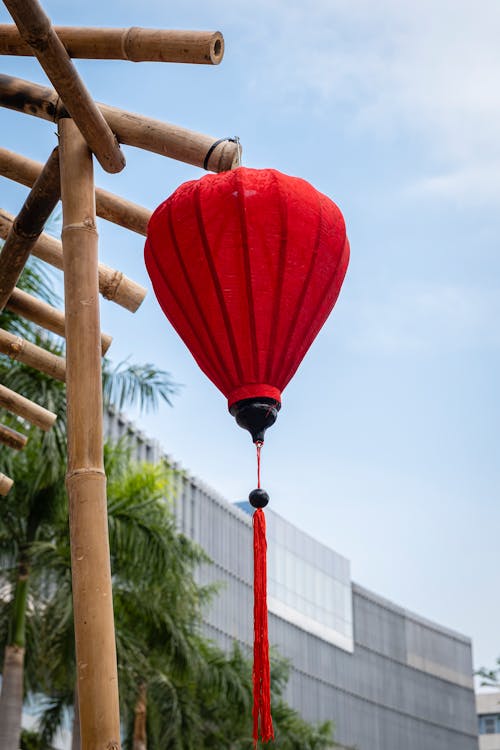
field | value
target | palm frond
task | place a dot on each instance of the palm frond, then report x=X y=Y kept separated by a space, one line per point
x=131 y=384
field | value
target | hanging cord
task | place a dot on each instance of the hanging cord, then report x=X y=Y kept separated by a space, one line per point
x=261 y=669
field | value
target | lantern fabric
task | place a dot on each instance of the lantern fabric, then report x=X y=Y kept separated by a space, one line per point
x=247 y=265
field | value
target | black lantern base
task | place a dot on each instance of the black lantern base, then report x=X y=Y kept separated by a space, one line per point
x=256 y=415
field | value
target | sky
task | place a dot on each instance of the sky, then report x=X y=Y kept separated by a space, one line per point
x=387 y=445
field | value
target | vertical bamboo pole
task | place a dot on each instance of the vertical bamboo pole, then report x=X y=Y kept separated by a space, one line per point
x=86 y=480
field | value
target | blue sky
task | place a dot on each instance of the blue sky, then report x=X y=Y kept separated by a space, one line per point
x=387 y=445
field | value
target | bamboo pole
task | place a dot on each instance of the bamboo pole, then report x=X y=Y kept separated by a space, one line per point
x=113 y=285
x=23 y=407
x=134 y=44
x=85 y=479
x=32 y=355
x=111 y=207
x=44 y=315
x=37 y=31
x=12 y=438
x=5 y=484
x=132 y=129
x=28 y=225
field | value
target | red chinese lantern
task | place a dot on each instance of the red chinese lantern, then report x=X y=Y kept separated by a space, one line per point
x=247 y=265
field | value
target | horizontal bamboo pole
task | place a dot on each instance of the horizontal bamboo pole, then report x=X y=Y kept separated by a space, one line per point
x=12 y=438
x=32 y=355
x=37 y=31
x=44 y=315
x=111 y=207
x=28 y=225
x=113 y=285
x=121 y=211
x=134 y=44
x=5 y=484
x=132 y=129
x=23 y=407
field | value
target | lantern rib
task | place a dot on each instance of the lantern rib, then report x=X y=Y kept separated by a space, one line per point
x=281 y=376
x=218 y=289
x=314 y=328
x=313 y=331
x=281 y=274
x=215 y=364
x=248 y=275
x=177 y=301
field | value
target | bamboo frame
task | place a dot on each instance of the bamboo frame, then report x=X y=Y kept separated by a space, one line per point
x=5 y=484
x=12 y=438
x=37 y=31
x=111 y=207
x=113 y=285
x=44 y=315
x=132 y=129
x=32 y=355
x=92 y=129
x=26 y=409
x=28 y=225
x=85 y=479
x=134 y=44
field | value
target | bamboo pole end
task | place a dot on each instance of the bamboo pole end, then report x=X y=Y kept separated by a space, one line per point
x=225 y=156
x=216 y=52
x=5 y=484
x=12 y=438
x=106 y=342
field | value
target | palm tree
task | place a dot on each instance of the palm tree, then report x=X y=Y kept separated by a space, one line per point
x=156 y=600
x=27 y=516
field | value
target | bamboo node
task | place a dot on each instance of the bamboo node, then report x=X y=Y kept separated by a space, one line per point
x=15 y=348
x=88 y=225
x=17 y=229
x=85 y=471
x=125 y=43
x=88 y=302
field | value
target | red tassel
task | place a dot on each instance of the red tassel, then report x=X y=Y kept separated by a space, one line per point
x=261 y=669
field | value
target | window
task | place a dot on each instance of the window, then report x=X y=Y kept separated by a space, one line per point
x=489 y=724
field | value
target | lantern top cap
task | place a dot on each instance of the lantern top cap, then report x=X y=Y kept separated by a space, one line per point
x=257 y=178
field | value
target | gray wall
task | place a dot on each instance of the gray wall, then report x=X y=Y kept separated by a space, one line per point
x=406 y=685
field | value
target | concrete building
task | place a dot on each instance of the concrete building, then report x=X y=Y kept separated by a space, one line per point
x=488 y=715
x=388 y=678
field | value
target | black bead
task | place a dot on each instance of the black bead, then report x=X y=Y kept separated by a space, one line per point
x=258 y=498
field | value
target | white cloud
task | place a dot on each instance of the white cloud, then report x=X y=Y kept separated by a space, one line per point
x=425 y=318
x=429 y=69
x=475 y=183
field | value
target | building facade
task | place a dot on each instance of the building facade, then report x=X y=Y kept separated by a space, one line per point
x=488 y=717
x=387 y=678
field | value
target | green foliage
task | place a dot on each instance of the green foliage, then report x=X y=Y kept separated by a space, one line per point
x=35 y=280
x=126 y=384
x=33 y=741
x=133 y=384
x=490 y=677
